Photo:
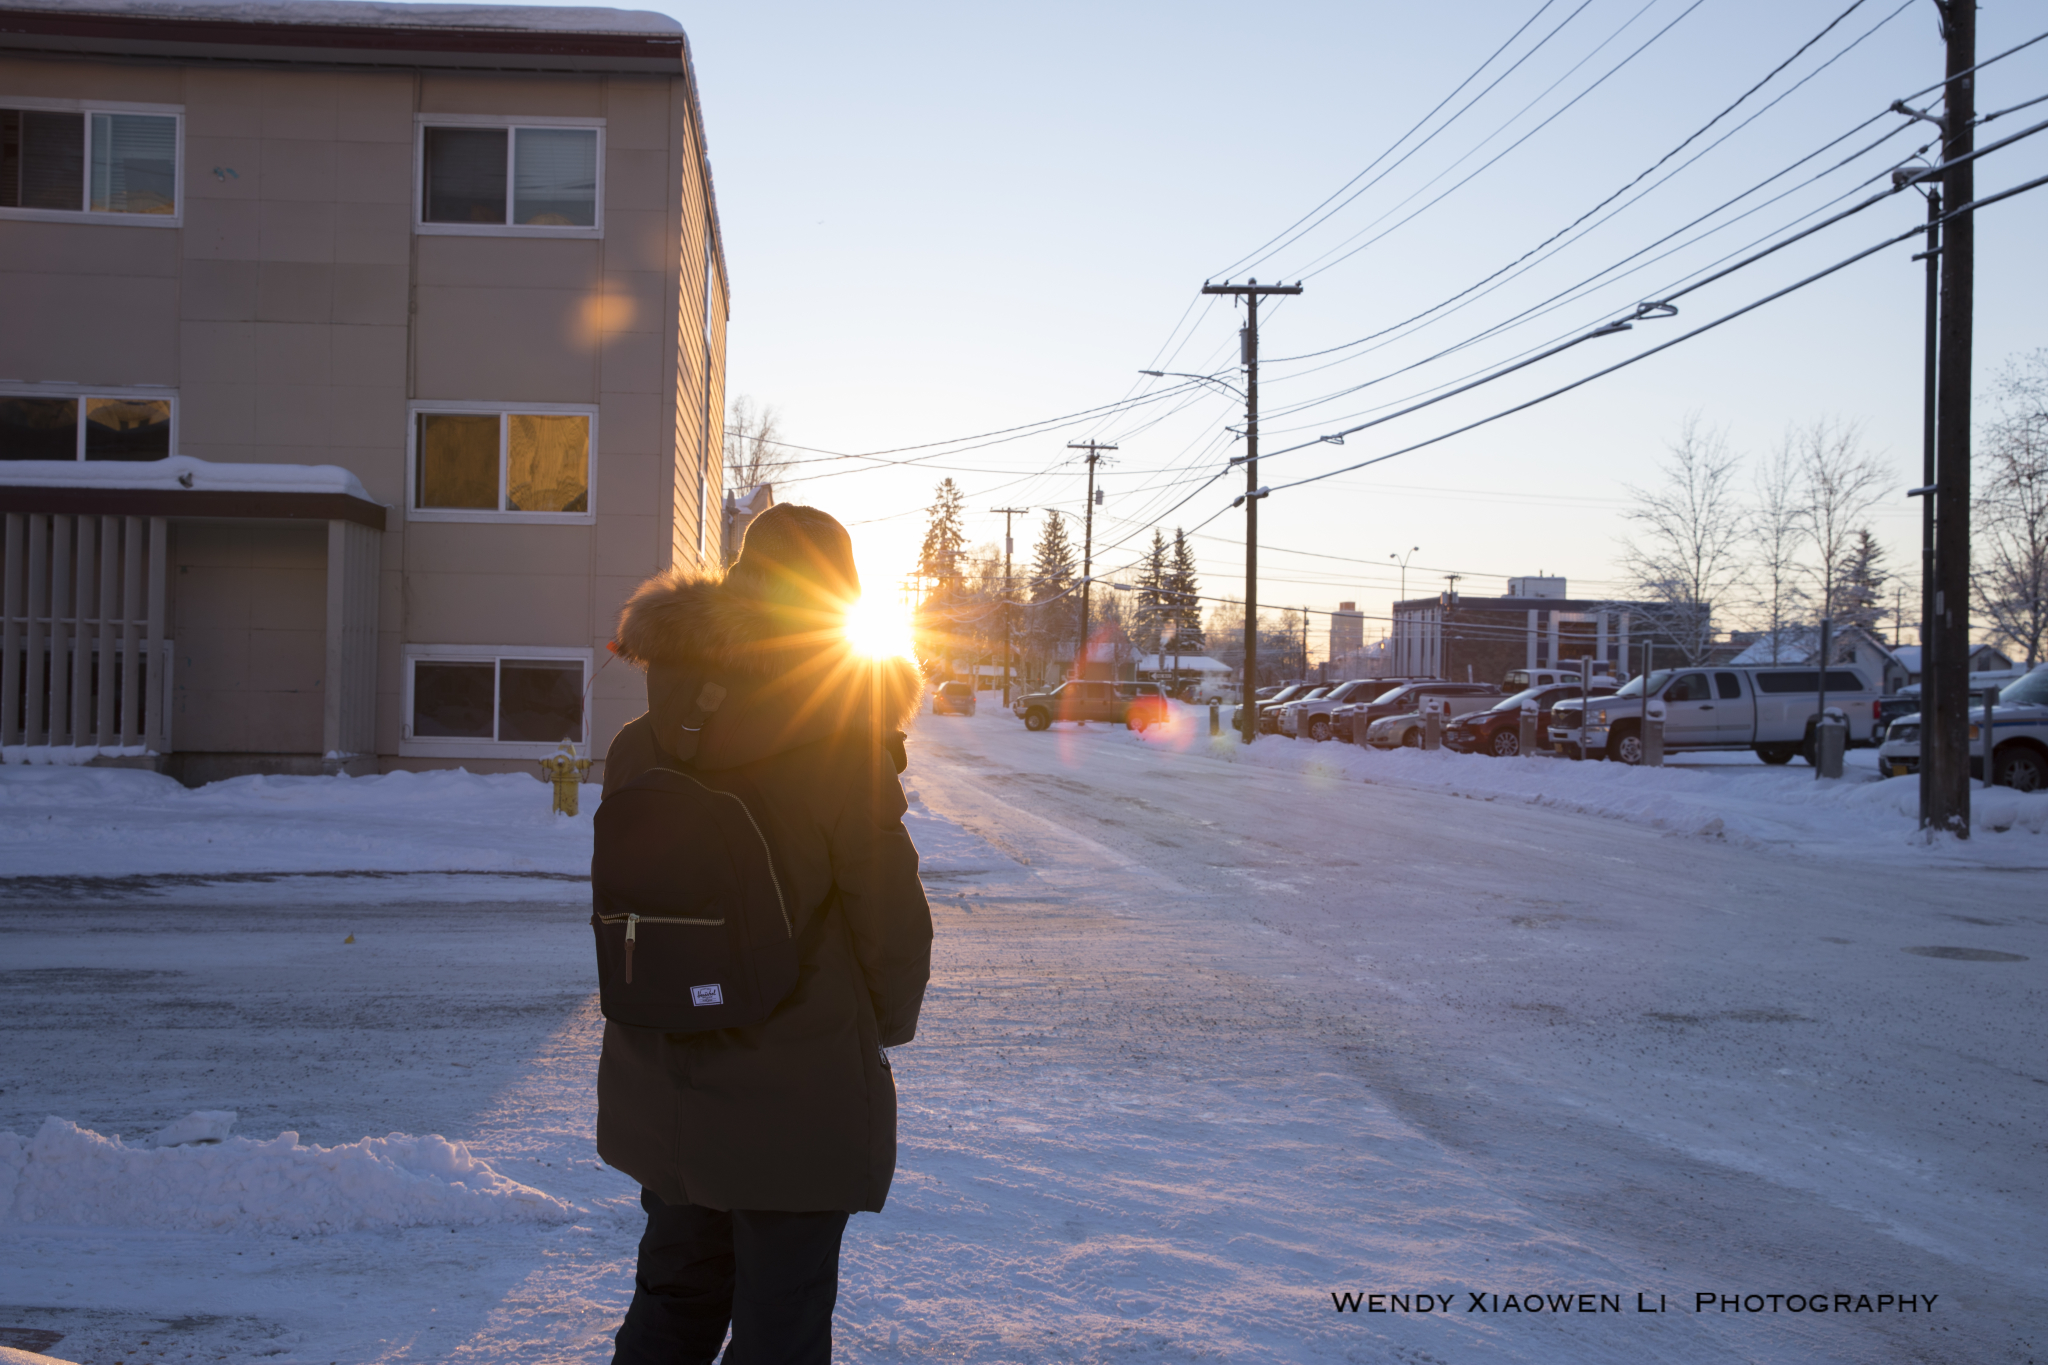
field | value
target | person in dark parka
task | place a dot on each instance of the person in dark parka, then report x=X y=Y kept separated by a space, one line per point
x=753 y=1145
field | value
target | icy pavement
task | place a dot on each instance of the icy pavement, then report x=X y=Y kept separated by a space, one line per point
x=1208 y=1041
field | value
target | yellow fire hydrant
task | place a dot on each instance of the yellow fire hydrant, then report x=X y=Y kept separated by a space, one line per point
x=566 y=771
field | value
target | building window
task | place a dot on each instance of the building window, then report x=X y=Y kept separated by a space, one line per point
x=473 y=462
x=46 y=425
x=63 y=160
x=503 y=177
x=470 y=700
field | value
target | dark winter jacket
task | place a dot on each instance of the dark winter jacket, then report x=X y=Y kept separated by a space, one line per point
x=797 y=1113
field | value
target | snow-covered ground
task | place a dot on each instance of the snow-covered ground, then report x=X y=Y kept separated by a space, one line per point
x=1732 y=796
x=1213 y=1034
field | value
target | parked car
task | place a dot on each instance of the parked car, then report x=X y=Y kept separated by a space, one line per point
x=1403 y=729
x=1497 y=730
x=1521 y=679
x=953 y=699
x=1269 y=697
x=1906 y=701
x=1350 y=721
x=1136 y=705
x=1771 y=711
x=2019 y=737
x=1310 y=716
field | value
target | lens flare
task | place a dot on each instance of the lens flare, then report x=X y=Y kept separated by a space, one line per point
x=878 y=628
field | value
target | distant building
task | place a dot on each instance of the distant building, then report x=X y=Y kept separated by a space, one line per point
x=740 y=510
x=359 y=360
x=1801 y=645
x=1347 y=630
x=1983 y=659
x=1459 y=637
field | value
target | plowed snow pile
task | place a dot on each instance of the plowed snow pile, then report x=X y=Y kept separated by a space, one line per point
x=71 y=1176
x=110 y=822
x=1749 y=803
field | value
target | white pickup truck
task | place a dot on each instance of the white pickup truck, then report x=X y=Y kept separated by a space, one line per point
x=2019 y=737
x=1769 y=710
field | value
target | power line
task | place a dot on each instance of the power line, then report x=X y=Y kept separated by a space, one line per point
x=1245 y=262
x=1665 y=302
x=1436 y=307
x=1321 y=263
x=1666 y=345
x=1572 y=293
x=1515 y=269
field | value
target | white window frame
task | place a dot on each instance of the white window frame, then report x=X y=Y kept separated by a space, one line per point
x=84 y=214
x=508 y=228
x=81 y=392
x=408 y=747
x=503 y=410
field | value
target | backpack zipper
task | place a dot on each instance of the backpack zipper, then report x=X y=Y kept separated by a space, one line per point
x=633 y=926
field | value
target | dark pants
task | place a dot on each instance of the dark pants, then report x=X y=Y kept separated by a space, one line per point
x=773 y=1277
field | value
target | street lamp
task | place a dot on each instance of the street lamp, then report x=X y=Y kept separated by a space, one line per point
x=1403 y=560
x=1235 y=391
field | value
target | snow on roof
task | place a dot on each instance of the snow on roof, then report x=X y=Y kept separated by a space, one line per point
x=182 y=472
x=1795 y=645
x=1189 y=663
x=362 y=14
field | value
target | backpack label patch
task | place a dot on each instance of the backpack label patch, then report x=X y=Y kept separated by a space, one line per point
x=707 y=995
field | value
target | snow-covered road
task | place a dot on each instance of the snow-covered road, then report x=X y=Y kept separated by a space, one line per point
x=1208 y=1041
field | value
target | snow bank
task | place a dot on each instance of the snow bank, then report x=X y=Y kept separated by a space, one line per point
x=1751 y=803
x=65 y=821
x=73 y=1176
x=111 y=822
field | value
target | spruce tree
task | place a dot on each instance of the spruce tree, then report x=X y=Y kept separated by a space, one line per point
x=1190 y=636
x=1052 y=578
x=1155 y=597
x=945 y=539
x=1859 y=589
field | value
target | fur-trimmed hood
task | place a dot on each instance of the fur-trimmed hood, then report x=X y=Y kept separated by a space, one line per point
x=782 y=675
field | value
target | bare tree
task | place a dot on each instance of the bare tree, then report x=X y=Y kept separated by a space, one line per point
x=1838 y=485
x=754 y=453
x=2009 y=568
x=1687 y=552
x=1776 y=538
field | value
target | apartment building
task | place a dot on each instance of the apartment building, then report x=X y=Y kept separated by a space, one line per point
x=358 y=360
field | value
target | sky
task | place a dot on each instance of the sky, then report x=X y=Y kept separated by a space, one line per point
x=947 y=220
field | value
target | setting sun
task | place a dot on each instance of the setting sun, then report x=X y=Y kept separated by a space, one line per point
x=878 y=628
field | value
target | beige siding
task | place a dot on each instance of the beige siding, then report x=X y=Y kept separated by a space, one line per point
x=297 y=313
x=249 y=617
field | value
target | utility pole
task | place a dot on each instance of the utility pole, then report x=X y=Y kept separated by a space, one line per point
x=1094 y=449
x=1945 y=727
x=1930 y=400
x=1009 y=600
x=1251 y=293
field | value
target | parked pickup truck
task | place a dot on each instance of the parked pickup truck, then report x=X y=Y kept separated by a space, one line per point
x=2019 y=737
x=1769 y=710
x=1136 y=705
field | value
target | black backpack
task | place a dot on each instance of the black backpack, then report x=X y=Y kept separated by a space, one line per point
x=693 y=927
